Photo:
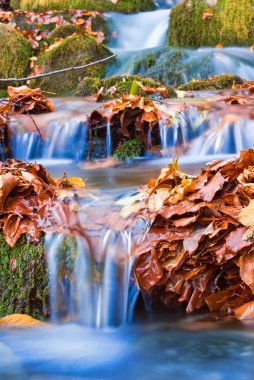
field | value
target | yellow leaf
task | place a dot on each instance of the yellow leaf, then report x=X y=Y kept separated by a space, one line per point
x=21 y=320
x=77 y=182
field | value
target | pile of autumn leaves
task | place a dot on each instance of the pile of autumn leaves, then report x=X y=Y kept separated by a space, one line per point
x=31 y=203
x=22 y=100
x=199 y=250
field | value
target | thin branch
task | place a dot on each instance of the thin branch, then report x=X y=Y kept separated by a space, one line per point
x=36 y=126
x=57 y=71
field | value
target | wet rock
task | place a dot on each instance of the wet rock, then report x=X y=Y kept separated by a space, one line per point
x=226 y=22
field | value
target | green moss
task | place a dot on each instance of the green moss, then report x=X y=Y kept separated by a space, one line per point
x=231 y=23
x=25 y=289
x=122 y=84
x=126 y=6
x=15 y=52
x=214 y=83
x=164 y=65
x=73 y=51
x=99 y=24
x=64 y=31
x=3 y=94
x=129 y=149
x=15 y=4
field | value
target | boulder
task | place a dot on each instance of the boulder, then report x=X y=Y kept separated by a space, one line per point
x=195 y=23
x=76 y=50
x=15 y=52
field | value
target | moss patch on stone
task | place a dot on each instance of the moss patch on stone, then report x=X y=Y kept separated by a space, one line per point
x=231 y=23
x=99 y=24
x=64 y=31
x=129 y=149
x=122 y=85
x=76 y=50
x=23 y=279
x=15 y=52
x=126 y=6
x=224 y=81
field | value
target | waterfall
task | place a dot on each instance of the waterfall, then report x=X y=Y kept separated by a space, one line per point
x=180 y=128
x=63 y=139
x=230 y=138
x=93 y=293
x=108 y=139
x=130 y=36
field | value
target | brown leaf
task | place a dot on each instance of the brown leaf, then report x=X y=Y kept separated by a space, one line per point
x=246 y=263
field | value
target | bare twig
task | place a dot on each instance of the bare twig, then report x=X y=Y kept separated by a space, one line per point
x=36 y=126
x=57 y=71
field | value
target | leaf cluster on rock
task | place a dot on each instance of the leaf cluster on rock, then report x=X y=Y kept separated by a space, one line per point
x=130 y=117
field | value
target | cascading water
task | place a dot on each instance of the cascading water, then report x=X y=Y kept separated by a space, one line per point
x=62 y=139
x=93 y=293
x=129 y=39
x=129 y=35
x=230 y=138
x=108 y=138
x=180 y=128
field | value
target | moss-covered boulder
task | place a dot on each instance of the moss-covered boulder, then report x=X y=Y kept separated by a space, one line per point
x=219 y=82
x=76 y=50
x=164 y=65
x=99 y=24
x=117 y=86
x=15 y=52
x=126 y=6
x=23 y=279
x=195 y=23
x=64 y=31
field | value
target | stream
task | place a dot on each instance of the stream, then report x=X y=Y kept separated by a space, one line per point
x=107 y=331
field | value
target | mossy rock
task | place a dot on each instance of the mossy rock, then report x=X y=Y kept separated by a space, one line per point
x=229 y=22
x=64 y=31
x=123 y=84
x=129 y=149
x=23 y=279
x=126 y=6
x=15 y=4
x=164 y=65
x=99 y=24
x=15 y=51
x=224 y=81
x=76 y=50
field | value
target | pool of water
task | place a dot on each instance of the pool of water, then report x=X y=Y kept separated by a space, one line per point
x=186 y=348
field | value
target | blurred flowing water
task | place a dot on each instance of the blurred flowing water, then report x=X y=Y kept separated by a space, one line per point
x=98 y=327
